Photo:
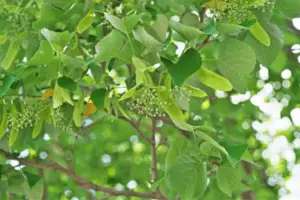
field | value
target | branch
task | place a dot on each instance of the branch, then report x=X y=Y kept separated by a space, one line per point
x=81 y=181
x=135 y=125
x=153 y=152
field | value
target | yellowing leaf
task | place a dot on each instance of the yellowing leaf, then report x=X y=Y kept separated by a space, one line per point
x=260 y=34
x=90 y=109
x=47 y=93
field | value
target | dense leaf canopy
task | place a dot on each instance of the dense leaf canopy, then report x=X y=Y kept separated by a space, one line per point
x=145 y=99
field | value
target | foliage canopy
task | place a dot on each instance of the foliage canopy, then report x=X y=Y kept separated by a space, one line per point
x=96 y=94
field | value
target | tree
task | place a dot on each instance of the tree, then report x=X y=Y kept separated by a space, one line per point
x=100 y=95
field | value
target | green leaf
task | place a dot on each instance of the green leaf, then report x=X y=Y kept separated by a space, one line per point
x=130 y=93
x=228 y=28
x=116 y=22
x=37 y=128
x=131 y=21
x=188 y=64
x=178 y=144
x=160 y=27
x=109 y=46
x=60 y=96
x=215 y=193
x=43 y=55
x=67 y=83
x=170 y=106
x=288 y=8
x=141 y=72
x=16 y=182
x=98 y=97
x=267 y=55
x=209 y=139
x=207 y=149
x=190 y=171
x=7 y=81
x=14 y=132
x=236 y=60
x=86 y=21
x=32 y=179
x=3 y=190
x=195 y=92
x=59 y=41
x=189 y=33
x=228 y=179
x=77 y=113
x=141 y=35
x=235 y=152
x=214 y=80
x=260 y=34
x=4 y=121
x=11 y=54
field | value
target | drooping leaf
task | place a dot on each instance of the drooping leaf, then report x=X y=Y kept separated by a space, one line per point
x=77 y=113
x=188 y=64
x=8 y=80
x=59 y=41
x=98 y=97
x=214 y=80
x=86 y=21
x=60 y=96
x=11 y=54
x=14 y=132
x=4 y=121
x=209 y=139
x=260 y=34
x=195 y=92
x=171 y=108
x=236 y=60
x=37 y=128
x=235 y=152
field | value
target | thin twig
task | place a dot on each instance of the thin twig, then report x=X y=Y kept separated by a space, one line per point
x=81 y=181
x=153 y=152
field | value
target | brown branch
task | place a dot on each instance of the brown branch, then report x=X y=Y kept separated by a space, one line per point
x=81 y=181
x=153 y=152
x=135 y=125
x=45 y=191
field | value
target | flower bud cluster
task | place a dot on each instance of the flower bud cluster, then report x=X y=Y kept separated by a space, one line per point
x=58 y=118
x=239 y=11
x=147 y=104
x=181 y=93
x=25 y=119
